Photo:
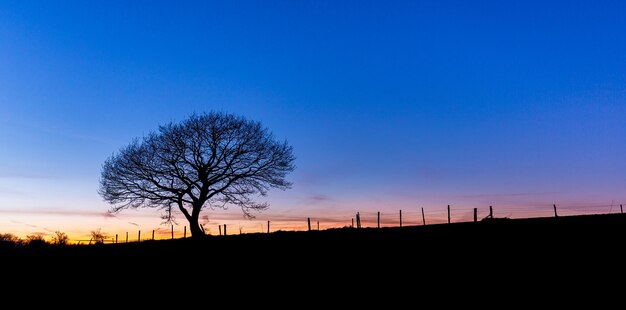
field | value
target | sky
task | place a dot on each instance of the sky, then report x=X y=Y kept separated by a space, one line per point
x=389 y=105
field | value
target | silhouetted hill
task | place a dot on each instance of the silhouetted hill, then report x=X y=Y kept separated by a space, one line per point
x=539 y=250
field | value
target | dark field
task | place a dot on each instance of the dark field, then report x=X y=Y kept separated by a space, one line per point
x=549 y=242
x=523 y=257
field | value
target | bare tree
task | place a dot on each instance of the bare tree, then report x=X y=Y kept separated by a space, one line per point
x=60 y=238
x=209 y=160
x=98 y=236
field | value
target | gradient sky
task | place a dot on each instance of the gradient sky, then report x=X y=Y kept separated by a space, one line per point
x=389 y=104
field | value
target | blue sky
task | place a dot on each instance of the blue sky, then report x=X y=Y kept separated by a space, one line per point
x=388 y=104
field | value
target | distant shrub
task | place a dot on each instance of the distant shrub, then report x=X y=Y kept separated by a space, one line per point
x=9 y=241
x=98 y=236
x=9 y=238
x=60 y=238
x=35 y=240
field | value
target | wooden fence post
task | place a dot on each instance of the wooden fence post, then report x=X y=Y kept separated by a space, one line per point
x=352 y=225
x=184 y=231
x=268 y=227
x=358 y=220
x=318 y=225
x=621 y=209
x=400 y=218
x=172 y=232
x=220 y=227
x=115 y=238
x=378 y=221
x=475 y=215
x=139 y=236
x=224 y=229
x=490 y=212
x=448 y=214
x=423 y=217
x=153 y=234
x=555 y=214
x=126 y=237
x=308 y=220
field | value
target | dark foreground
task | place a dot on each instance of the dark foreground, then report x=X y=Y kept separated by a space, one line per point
x=541 y=250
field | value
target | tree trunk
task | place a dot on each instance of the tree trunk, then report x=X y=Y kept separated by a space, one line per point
x=194 y=225
x=195 y=229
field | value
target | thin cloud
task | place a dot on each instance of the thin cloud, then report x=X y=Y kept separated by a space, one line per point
x=317 y=199
x=40 y=233
x=33 y=226
x=133 y=223
x=57 y=212
x=503 y=195
x=25 y=224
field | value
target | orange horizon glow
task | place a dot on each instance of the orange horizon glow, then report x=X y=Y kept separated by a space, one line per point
x=147 y=222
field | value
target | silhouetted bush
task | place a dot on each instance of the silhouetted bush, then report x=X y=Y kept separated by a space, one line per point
x=35 y=240
x=9 y=241
x=60 y=238
x=98 y=236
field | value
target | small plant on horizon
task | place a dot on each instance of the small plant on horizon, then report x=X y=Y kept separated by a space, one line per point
x=9 y=238
x=98 y=237
x=35 y=240
x=8 y=241
x=60 y=238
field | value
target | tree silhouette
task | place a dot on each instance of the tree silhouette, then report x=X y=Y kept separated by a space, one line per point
x=98 y=237
x=209 y=160
x=35 y=240
x=60 y=238
x=9 y=241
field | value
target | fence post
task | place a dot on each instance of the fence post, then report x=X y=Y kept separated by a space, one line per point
x=126 y=237
x=358 y=220
x=153 y=234
x=172 y=232
x=400 y=218
x=555 y=214
x=621 y=209
x=115 y=238
x=475 y=215
x=318 y=225
x=184 y=231
x=352 y=225
x=308 y=220
x=423 y=217
x=268 y=227
x=378 y=221
x=220 y=227
x=139 y=236
x=448 y=214
x=224 y=229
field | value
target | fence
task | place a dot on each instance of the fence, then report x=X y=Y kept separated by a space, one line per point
x=374 y=219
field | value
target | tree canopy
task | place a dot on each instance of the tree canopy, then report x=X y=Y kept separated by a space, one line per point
x=208 y=160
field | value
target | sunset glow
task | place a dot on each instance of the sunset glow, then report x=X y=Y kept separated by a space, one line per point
x=389 y=106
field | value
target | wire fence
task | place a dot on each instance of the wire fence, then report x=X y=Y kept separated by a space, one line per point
x=365 y=219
